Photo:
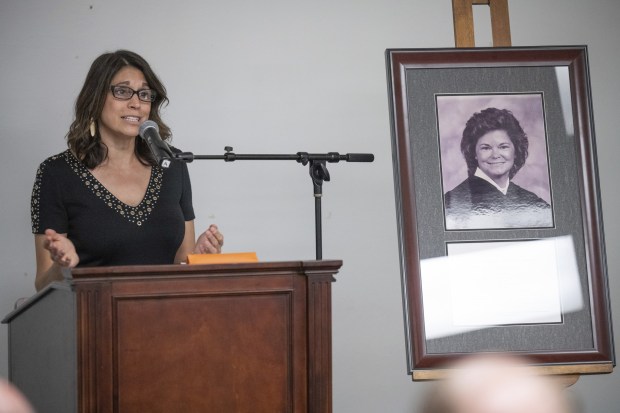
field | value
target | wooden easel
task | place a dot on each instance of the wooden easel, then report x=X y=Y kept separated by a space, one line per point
x=464 y=37
x=462 y=11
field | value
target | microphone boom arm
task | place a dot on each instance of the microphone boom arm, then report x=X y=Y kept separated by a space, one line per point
x=300 y=157
x=318 y=172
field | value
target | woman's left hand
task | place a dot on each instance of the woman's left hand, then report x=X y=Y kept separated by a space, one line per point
x=210 y=241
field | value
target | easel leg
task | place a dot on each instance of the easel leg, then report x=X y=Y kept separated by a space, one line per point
x=464 y=22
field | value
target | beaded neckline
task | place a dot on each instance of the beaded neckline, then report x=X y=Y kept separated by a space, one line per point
x=135 y=214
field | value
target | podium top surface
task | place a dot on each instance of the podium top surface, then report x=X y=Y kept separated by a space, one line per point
x=205 y=269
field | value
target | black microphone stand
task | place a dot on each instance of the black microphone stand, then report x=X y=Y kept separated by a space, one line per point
x=318 y=172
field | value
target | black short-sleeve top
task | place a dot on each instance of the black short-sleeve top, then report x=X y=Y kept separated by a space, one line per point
x=67 y=198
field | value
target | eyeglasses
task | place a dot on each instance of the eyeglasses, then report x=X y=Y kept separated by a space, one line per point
x=126 y=93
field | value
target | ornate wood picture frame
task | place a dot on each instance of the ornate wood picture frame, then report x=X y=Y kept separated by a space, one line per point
x=436 y=97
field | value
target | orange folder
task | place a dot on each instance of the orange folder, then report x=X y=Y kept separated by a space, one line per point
x=224 y=258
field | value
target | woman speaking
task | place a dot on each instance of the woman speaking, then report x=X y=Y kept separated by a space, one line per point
x=105 y=201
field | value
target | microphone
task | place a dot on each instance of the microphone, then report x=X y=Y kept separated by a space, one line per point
x=149 y=131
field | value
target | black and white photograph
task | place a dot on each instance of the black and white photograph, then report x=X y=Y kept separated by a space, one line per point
x=494 y=161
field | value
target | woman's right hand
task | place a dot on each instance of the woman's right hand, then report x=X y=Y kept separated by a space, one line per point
x=61 y=249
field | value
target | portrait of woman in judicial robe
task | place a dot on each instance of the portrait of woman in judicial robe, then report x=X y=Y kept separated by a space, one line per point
x=495 y=149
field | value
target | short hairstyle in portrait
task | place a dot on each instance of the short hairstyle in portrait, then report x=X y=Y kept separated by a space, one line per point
x=488 y=120
x=91 y=99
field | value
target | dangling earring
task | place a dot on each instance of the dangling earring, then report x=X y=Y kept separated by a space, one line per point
x=93 y=128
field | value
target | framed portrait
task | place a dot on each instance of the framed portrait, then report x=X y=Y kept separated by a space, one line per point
x=498 y=207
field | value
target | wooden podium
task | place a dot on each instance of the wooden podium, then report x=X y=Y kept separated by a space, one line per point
x=178 y=338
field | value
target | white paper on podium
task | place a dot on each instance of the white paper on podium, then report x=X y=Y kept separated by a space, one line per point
x=484 y=284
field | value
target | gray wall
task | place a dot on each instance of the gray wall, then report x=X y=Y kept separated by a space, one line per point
x=279 y=76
